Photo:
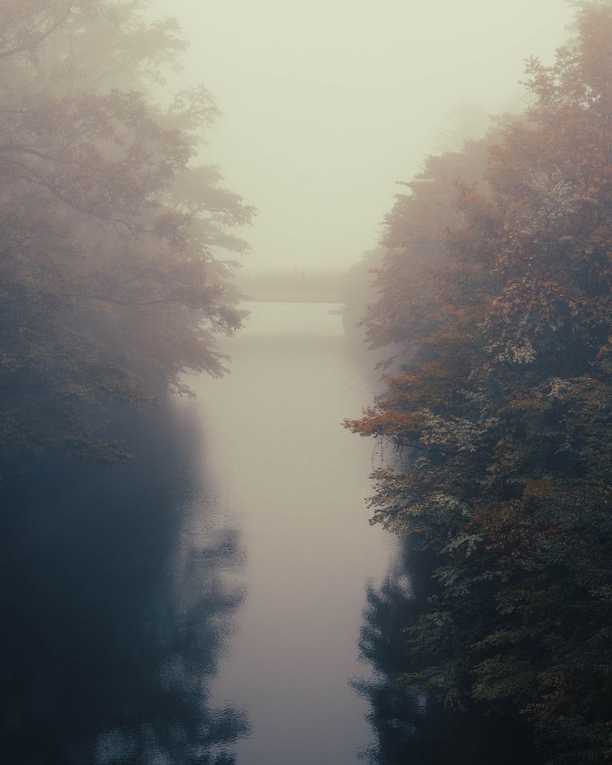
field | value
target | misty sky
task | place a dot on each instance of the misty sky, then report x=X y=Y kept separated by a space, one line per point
x=327 y=103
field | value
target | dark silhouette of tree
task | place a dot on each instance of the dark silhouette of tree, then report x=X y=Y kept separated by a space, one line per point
x=412 y=724
x=114 y=615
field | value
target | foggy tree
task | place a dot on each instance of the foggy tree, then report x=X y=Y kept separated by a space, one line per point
x=501 y=414
x=116 y=241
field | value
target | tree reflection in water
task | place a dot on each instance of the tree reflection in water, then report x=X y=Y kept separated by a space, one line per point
x=411 y=727
x=115 y=610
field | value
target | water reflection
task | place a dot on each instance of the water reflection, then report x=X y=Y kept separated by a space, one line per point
x=115 y=609
x=295 y=480
x=410 y=727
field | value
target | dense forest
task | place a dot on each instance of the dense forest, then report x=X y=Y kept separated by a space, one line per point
x=117 y=240
x=494 y=299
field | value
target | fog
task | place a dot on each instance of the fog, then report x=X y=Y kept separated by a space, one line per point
x=350 y=503
x=327 y=104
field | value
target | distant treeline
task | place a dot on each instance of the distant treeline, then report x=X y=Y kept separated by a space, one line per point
x=494 y=293
x=116 y=240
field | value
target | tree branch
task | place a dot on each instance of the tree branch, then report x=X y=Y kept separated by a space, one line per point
x=23 y=47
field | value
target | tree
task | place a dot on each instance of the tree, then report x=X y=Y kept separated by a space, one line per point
x=116 y=242
x=501 y=413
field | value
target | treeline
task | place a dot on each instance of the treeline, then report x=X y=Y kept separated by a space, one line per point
x=495 y=293
x=116 y=241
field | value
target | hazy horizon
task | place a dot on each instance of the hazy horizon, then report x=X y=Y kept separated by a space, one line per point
x=326 y=106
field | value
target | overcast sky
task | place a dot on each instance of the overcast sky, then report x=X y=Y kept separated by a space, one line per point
x=327 y=103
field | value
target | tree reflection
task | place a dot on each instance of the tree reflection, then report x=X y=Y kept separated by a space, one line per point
x=410 y=727
x=116 y=609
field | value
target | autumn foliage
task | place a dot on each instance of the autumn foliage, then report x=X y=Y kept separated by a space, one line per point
x=495 y=293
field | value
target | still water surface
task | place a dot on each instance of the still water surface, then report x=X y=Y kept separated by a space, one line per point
x=203 y=600
x=293 y=481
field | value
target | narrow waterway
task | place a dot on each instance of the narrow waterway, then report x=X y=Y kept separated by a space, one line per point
x=204 y=599
x=293 y=482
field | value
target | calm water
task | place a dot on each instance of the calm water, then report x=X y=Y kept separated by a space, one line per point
x=205 y=599
x=293 y=481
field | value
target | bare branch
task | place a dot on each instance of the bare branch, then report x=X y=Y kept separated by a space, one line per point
x=32 y=43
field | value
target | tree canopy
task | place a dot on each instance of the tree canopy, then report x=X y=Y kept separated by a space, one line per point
x=117 y=240
x=496 y=285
